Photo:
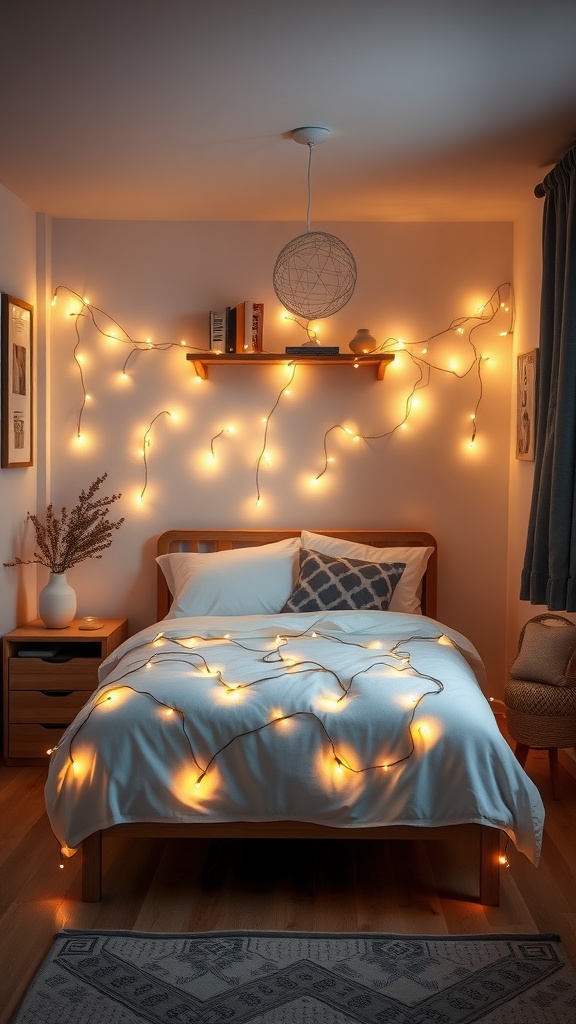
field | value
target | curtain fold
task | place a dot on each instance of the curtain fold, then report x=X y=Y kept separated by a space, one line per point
x=549 y=573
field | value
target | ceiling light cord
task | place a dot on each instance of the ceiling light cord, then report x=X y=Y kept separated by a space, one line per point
x=309 y=207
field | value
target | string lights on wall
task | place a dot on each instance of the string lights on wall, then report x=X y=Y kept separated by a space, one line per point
x=146 y=442
x=422 y=354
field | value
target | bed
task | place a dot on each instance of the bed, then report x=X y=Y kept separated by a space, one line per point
x=294 y=685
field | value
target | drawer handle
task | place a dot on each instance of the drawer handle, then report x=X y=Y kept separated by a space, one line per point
x=56 y=693
x=53 y=725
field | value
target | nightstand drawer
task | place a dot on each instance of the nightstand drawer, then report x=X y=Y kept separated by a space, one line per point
x=46 y=707
x=33 y=740
x=35 y=674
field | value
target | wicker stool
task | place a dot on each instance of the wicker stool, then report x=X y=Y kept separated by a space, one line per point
x=541 y=717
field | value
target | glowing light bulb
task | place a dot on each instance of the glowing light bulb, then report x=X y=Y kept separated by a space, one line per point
x=54 y=300
x=503 y=860
x=459 y=330
x=445 y=641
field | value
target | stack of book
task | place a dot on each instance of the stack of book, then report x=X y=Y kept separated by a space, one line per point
x=237 y=328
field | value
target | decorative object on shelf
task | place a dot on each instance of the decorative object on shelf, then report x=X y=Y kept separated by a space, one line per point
x=362 y=343
x=62 y=543
x=57 y=602
x=17 y=382
x=308 y=350
x=315 y=273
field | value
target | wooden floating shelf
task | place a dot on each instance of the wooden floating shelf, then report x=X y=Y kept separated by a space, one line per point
x=202 y=362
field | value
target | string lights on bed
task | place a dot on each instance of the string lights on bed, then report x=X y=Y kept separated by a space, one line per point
x=398 y=656
x=421 y=355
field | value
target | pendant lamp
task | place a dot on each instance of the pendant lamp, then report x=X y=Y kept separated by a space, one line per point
x=315 y=273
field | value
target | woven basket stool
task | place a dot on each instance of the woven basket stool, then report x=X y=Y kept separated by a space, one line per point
x=541 y=717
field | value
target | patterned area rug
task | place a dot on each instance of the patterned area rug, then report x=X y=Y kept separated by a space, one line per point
x=288 y=978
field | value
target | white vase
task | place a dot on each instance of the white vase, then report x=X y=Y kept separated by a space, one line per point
x=57 y=602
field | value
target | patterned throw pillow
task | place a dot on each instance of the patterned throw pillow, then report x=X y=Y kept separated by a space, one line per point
x=327 y=583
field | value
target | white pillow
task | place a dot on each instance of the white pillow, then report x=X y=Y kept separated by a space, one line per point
x=406 y=596
x=242 y=581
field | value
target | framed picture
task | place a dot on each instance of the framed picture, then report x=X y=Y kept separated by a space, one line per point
x=16 y=318
x=526 y=405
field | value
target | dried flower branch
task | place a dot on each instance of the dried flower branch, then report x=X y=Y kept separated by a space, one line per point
x=82 y=533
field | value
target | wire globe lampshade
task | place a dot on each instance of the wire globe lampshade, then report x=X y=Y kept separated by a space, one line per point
x=314 y=275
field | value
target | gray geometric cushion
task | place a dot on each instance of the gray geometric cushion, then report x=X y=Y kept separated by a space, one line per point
x=546 y=651
x=328 y=583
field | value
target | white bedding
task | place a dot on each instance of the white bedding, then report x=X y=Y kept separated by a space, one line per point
x=378 y=720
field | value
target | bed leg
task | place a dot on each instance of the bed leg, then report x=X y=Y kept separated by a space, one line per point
x=489 y=866
x=92 y=868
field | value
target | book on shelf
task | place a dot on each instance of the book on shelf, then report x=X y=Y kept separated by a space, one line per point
x=249 y=321
x=312 y=350
x=237 y=328
x=253 y=326
x=230 y=329
x=217 y=338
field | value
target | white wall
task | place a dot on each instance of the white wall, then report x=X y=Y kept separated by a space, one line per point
x=17 y=486
x=159 y=280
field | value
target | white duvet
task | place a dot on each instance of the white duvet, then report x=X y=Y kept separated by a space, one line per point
x=339 y=718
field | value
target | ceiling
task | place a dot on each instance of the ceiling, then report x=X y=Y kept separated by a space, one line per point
x=182 y=109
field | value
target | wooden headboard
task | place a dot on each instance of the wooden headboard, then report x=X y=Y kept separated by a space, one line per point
x=224 y=540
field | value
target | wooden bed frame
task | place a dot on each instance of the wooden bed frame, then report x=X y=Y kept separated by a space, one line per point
x=487 y=838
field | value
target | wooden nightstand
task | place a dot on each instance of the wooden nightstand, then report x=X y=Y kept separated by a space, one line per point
x=48 y=675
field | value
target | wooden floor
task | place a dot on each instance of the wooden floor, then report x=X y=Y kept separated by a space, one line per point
x=197 y=886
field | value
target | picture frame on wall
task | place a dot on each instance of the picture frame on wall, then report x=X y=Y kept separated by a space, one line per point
x=17 y=384
x=526 y=404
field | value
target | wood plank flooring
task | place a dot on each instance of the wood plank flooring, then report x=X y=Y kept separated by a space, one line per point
x=272 y=885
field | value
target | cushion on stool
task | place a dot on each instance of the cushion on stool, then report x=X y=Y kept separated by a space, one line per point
x=546 y=651
x=540 y=715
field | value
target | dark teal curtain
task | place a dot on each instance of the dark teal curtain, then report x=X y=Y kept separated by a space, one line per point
x=549 y=573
